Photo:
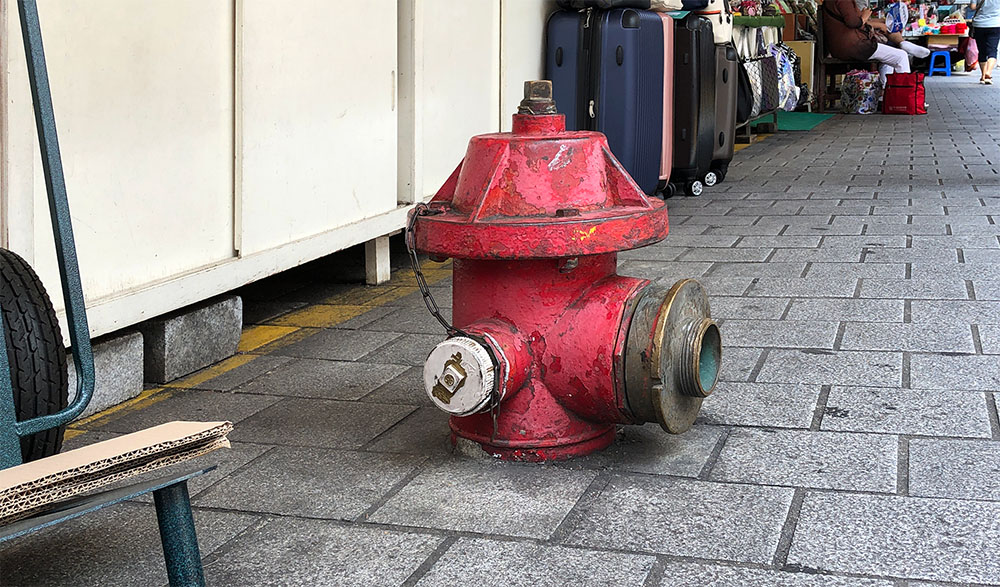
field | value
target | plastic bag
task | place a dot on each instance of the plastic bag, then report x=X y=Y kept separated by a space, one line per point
x=971 y=55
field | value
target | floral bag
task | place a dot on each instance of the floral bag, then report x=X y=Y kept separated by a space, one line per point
x=860 y=92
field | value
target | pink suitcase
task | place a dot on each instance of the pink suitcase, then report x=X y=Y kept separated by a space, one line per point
x=667 y=159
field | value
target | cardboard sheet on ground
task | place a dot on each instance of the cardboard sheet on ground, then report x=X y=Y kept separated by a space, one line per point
x=38 y=486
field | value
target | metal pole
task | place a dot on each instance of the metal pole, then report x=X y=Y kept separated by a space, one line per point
x=177 y=534
x=62 y=229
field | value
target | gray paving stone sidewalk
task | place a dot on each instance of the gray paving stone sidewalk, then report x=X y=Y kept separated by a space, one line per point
x=853 y=440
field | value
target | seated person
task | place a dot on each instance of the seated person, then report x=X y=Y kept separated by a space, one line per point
x=848 y=37
x=882 y=35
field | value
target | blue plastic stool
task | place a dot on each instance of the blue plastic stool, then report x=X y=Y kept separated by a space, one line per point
x=946 y=70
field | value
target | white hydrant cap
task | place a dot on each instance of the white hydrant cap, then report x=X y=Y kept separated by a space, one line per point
x=459 y=376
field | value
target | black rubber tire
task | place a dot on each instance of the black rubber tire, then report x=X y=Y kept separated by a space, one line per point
x=667 y=191
x=721 y=171
x=35 y=352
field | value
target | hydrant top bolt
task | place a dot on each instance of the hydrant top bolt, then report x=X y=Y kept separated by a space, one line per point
x=537 y=98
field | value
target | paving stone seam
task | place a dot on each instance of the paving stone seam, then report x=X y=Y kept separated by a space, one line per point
x=991 y=411
x=788 y=529
x=238 y=470
x=820 y=410
x=223 y=549
x=759 y=366
x=583 y=503
x=656 y=573
x=838 y=339
x=903 y=466
x=713 y=457
x=390 y=429
x=421 y=466
x=906 y=371
x=429 y=562
x=788 y=308
x=977 y=342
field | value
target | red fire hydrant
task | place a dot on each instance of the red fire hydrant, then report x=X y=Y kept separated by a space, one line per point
x=551 y=348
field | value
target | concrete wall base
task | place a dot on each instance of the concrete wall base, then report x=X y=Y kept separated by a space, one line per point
x=118 y=371
x=191 y=339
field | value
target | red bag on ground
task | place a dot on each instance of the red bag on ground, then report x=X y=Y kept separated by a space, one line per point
x=904 y=94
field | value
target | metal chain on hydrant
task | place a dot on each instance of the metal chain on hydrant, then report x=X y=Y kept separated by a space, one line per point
x=411 y=247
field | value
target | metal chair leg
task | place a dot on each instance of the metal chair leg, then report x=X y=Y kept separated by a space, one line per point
x=177 y=534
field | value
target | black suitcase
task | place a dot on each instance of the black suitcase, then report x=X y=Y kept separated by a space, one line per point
x=694 y=102
x=726 y=99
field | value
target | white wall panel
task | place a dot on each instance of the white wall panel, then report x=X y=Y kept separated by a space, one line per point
x=523 y=43
x=454 y=90
x=318 y=95
x=143 y=98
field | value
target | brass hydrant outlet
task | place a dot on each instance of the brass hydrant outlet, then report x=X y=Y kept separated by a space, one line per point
x=672 y=357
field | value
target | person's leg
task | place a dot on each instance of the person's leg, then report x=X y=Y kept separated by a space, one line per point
x=992 y=41
x=982 y=41
x=915 y=50
x=891 y=60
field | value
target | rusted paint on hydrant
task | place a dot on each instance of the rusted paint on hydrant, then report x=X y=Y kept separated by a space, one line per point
x=556 y=347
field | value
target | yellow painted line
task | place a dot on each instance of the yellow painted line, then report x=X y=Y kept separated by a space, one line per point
x=759 y=138
x=360 y=296
x=431 y=275
x=320 y=316
x=72 y=433
x=212 y=372
x=146 y=398
x=393 y=295
x=257 y=336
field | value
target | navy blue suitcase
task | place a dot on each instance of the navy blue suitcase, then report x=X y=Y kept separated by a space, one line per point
x=694 y=102
x=607 y=70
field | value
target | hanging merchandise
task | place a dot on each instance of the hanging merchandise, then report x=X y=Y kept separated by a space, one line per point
x=788 y=90
x=755 y=76
x=750 y=8
x=860 y=92
x=904 y=94
x=896 y=15
x=769 y=70
x=744 y=102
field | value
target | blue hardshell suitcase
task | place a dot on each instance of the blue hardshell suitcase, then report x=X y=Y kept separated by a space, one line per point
x=606 y=68
x=694 y=102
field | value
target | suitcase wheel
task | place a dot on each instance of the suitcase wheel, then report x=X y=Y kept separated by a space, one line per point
x=667 y=191
x=693 y=188
x=711 y=178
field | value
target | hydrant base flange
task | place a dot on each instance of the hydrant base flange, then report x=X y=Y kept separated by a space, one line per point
x=538 y=454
